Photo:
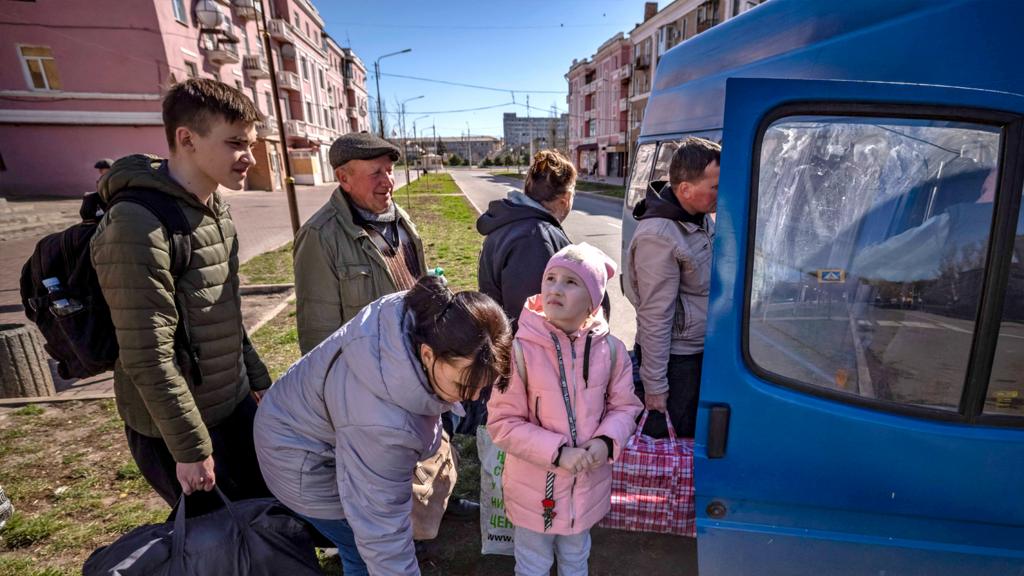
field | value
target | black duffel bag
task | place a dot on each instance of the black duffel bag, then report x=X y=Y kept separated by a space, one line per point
x=257 y=536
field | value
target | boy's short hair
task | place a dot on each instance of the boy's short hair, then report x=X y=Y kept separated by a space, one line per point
x=692 y=158
x=195 y=102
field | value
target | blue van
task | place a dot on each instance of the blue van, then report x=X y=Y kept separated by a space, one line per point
x=862 y=402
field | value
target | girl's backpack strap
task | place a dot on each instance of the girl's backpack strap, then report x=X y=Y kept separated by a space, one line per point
x=613 y=342
x=517 y=359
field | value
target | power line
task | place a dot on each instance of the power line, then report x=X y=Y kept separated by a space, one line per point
x=452 y=27
x=453 y=111
x=478 y=87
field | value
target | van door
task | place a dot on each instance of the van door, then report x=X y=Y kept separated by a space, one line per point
x=862 y=402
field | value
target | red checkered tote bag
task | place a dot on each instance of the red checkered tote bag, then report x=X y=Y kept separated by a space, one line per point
x=652 y=485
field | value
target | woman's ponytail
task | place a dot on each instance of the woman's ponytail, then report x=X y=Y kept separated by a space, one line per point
x=466 y=324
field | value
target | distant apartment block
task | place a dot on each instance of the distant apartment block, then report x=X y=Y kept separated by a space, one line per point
x=84 y=80
x=598 y=89
x=608 y=92
x=544 y=132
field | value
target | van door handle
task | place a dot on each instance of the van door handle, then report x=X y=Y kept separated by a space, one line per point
x=718 y=430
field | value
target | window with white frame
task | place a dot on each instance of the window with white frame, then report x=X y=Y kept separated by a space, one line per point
x=191 y=70
x=40 y=67
x=180 y=13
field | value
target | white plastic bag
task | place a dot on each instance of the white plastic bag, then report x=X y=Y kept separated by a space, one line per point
x=495 y=529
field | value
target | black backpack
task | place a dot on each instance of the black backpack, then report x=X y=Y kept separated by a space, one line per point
x=84 y=342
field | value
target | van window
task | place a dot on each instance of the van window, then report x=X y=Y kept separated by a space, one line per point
x=665 y=152
x=1006 y=385
x=641 y=170
x=869 y=253
x=669 y=147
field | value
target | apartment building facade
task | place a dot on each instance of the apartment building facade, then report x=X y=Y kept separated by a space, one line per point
x=544 y=132
x=84 y=81
x=598 y=109
x=660 y=31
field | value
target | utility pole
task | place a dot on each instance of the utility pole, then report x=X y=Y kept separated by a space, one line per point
x=405 y=141
x=376 y=75
x=529 y=124
x=469 y=144
x=289 y=181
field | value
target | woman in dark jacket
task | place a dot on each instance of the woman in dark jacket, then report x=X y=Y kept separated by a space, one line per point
x=339 y=434
x=524 y=230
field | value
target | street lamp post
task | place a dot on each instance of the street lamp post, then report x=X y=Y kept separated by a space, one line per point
x=405 y=142
x=416 y=141
x=376 y=75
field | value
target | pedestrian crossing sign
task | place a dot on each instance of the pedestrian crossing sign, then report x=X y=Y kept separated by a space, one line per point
x=831 y=276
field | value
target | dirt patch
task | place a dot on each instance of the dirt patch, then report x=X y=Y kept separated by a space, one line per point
x=67 y=469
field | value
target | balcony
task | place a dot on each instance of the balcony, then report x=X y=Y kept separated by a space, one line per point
x=267 y=129
x=281 y=31
x=348 y=82
x=295 y=129
x=224 y=53
x=246 y=9
x=255 y=67
x=289 y=81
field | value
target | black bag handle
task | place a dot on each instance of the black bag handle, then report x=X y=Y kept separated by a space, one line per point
x=180 y=529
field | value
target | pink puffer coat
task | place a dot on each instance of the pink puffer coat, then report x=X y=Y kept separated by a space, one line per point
x=530 y=422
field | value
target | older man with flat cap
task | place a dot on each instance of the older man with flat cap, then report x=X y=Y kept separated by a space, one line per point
x=359 y=246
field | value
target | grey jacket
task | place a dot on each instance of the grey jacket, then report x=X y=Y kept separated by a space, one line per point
x=343 y=442
x=338 y=270
x=667 y=282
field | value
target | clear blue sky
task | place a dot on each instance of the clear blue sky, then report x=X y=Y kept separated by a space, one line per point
x=518 y=45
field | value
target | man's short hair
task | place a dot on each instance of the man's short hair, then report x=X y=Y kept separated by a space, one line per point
x=692 y=158
x=195 y=102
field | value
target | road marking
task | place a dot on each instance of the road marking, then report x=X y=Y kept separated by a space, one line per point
x=614 y=225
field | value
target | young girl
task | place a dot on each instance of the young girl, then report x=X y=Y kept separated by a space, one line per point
x=566 y=412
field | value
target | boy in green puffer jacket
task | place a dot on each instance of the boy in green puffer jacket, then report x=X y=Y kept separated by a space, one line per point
x=189 y=424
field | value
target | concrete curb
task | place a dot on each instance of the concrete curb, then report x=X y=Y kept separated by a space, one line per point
x=602 y=197
x=250 y=289
x=271 y=314
x=15 y=402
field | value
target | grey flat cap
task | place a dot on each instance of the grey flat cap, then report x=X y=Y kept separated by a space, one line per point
x=361 y=146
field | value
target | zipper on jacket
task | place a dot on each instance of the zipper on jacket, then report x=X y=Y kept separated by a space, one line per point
x=572 y=503
x=568 y=411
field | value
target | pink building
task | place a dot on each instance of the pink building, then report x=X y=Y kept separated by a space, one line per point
x=84 y=80
x=599 y=109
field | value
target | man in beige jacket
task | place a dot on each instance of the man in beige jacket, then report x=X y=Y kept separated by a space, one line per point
x=668 y=278
x=359 y=246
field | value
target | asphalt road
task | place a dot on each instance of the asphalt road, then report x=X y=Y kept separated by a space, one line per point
x=597 y=221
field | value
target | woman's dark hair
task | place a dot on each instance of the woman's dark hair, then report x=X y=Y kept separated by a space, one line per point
x=466 y=324
x=551 y=175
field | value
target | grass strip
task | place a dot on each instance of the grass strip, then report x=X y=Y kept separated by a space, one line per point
x=274 y=267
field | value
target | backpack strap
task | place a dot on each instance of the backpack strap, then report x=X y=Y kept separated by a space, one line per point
x=168 y=211
x=614 y=343
x=519 y=361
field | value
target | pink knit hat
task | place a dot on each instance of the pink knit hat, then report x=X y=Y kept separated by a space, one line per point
x=592 y=265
